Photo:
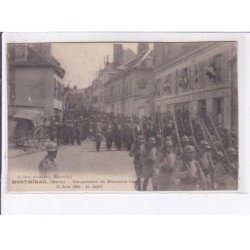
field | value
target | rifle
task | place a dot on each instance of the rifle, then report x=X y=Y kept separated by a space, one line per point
x=160 y=130
x=177 y=133
x=223 y=149
x=200 y=155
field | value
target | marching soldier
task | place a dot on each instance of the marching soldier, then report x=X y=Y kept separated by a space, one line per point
x=168 y=158
x=59 y=131
x=135 y=152
x=118 y=136
x=185 y=141
x=207 y=163
x=48 y=165
x=98 y=139
x=225 y=176
x=186 y=175
x=109 y=138
x=148 y=158
x=78 y=134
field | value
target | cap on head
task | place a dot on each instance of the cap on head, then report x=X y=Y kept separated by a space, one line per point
x=188 y=149
x=51 y=146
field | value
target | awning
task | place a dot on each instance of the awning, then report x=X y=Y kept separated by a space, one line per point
x=29 y=114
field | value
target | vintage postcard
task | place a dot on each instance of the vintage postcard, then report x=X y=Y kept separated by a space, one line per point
x=122 y=116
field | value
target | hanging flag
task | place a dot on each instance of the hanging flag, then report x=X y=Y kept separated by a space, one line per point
x=211 y=71
x=29 y=99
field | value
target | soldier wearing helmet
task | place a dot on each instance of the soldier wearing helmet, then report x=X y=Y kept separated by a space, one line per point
x=48 y=165
x=168 y=164
x=226 y=176
x=186 y=175
x=148 y=159
x=207 y=162
x=109 y=137
x=135 y=151
x=191 y=139
x=185 y=141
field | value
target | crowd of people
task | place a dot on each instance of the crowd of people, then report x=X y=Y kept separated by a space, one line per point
x=174 y=151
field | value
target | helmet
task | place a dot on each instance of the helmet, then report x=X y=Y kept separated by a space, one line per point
x=231 y=151
x=51 y=146
x=185 y=139
x=169 y=143
x=191 y=138
x=168 y=138
x=217 y=144
x=152 y=140
x=188 y=149
x=203 y=143
x=214 y=138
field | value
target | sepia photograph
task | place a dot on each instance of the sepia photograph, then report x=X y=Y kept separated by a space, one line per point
x=122 y=116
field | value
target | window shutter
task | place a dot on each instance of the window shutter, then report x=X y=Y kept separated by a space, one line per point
x=171 y=82
x=201 y=73
x=225 y=66
x=206 y=65
x=189 y=73
x=176 y=82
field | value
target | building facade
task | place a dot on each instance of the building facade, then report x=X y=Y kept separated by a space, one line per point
x=35 y=79
x=130 y=87
x=198 y=77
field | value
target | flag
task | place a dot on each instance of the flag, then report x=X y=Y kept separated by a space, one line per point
x=211 y=71
x=29 y=99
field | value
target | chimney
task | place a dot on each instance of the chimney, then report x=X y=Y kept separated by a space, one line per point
x=118 y=55
x=75 y=89
x=107 y=62
x=141 y=47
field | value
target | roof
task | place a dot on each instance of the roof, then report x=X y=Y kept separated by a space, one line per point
x=138 y=60
x=34 y=59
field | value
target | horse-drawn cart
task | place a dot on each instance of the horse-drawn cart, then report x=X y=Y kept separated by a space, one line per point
x=29 y=128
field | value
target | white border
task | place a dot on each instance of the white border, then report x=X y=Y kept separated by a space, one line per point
x=136 y=203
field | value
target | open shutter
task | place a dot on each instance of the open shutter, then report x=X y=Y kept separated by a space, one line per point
x=224 y=66
x=206 y=65
x=176 y=82
x=201 y=73
x=189 y=73
x=171 y=76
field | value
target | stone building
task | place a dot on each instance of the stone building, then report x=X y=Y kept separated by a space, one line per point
x=130 y=86
x=109 y=72
x=35 y=79
x=200 y=77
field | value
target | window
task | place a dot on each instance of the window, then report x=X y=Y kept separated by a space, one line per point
x=167 y=84
x=214 y=70
x=184 y=78
x=158 y=87
x=195 y=75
